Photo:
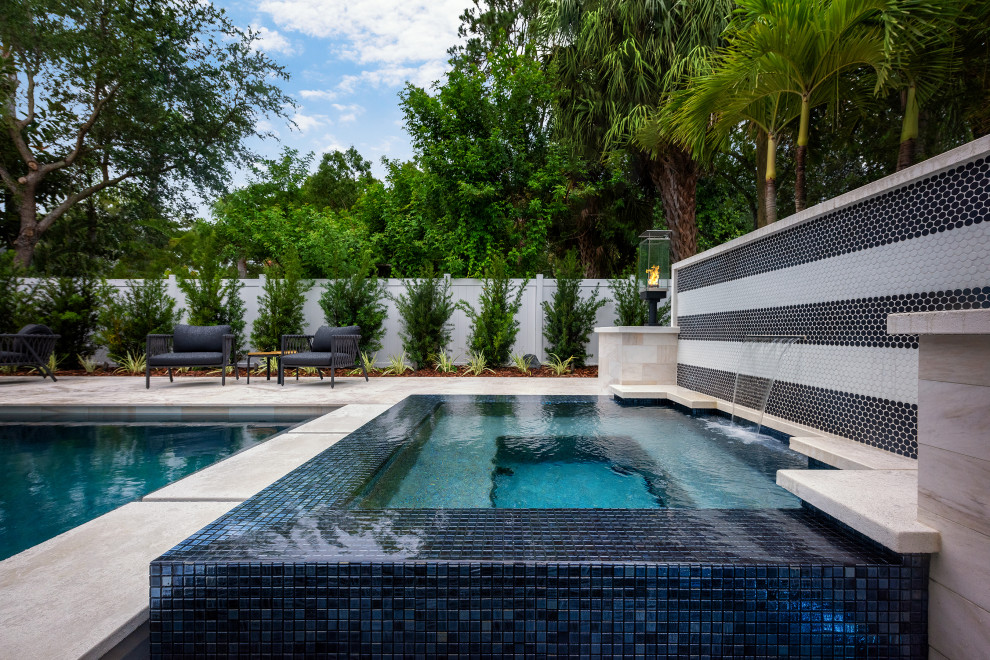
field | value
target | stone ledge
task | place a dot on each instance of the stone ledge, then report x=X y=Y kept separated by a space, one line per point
x=953 y=322
x=679 y=395
x=881 y=504
x=644 y=329
x=848 y=454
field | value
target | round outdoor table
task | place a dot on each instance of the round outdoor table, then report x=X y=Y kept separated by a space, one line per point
x=268 y=363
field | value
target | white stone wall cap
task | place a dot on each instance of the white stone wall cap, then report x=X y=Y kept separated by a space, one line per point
x=948 y=160
x=952 y=322
x=640 y=329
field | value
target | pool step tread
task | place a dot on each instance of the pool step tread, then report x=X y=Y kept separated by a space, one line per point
x=848 y=454
x=82 y=592
x=673 y=393
x=882 y=504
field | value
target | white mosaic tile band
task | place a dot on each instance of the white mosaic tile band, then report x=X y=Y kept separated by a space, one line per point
x=956 y=259
x=887 y=373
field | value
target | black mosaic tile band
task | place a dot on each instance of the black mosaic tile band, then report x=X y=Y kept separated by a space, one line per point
x=393 y=610
x=860 y=322
x=956 y=198
x=889 y=425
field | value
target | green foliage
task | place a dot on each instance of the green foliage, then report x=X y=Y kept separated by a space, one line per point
x=130 y=363
x=520 y=362
x=70 y=306
x=16 y=300
x=130 y=315
x=397 y=365
x=357 y=299
x=443 y=363
x=214 y=299
x=88 y=363
x=477 y=363
x=156 y=92
x=630 y=309
x=558 y=366
x=339 y=181
x=280 y=306
x=569 y=318
x=494 y=327
x=425 y=310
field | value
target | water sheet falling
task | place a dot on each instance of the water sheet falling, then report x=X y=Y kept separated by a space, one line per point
x=761 y=354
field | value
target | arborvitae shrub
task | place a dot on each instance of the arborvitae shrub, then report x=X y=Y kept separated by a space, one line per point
x=630 y=309
x=494 y=326
x=280 y=306
x=213 y=298
x=569 y=319
x=70 y=306
x=129 y=316
x=425 y=310
x=357 y=299
x=16 y=302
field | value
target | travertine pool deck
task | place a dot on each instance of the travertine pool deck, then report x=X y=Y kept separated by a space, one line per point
x=83 y=592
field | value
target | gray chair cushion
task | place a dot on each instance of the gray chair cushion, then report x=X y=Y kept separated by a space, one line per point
x=318 y=359
x=187 y=359
x=199 y=338
x=14 y=357
x=35 y=329
x=321 y=340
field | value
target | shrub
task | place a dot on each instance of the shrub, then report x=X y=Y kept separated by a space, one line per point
x=15 y=301
x=71 y=308
x=280 y=306
x=425 y=310
x=134 y=313
x=212 y=299
x=357 y=299
x=494 y=327
x=569 y=319
x=630 y=309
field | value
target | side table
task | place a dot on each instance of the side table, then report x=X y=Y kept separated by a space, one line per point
x=268 y=363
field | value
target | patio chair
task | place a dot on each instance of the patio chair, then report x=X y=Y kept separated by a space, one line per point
x=32 y=346
x=191 y=346
x=329 y=348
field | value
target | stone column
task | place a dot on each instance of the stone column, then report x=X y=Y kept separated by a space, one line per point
x=637 y=355
x=954 y=473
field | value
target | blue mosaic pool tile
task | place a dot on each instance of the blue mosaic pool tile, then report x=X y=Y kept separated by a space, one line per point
x=292 y=572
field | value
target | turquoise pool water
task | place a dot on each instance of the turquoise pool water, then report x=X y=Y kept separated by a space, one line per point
x=537 y=453
x=58 y=476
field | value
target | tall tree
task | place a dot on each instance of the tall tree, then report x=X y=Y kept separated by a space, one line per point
x=98 y=92
x=618 y=63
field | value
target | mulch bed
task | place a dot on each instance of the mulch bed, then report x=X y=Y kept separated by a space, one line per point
x=498 y=372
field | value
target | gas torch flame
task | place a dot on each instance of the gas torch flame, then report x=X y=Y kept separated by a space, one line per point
x=653 y=276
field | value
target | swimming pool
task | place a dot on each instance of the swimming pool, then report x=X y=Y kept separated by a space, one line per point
x=58 y=476
x=656 y=581
x=534 y=453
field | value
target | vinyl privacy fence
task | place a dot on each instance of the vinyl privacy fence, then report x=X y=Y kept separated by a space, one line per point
x=529 y=340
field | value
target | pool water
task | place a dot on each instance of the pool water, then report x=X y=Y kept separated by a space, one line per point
x=531 y=452
x=58 y=476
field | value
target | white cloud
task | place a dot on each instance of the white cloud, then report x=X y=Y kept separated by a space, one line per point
x=272 y=41
x=319 y=94
x=306 y=123
x=397 y=40
x=348 y=112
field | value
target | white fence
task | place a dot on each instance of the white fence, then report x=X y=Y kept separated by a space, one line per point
x=531 y=319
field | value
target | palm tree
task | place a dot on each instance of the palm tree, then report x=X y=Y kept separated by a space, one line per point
x=618 y=62
x=799 y=48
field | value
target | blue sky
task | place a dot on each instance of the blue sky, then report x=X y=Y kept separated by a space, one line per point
x=348 y=60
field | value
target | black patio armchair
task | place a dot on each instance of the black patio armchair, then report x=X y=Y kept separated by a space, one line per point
x=191 y=346
x=329 y=348
x=32 y=346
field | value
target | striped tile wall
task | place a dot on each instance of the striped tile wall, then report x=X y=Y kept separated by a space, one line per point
x=916 y=241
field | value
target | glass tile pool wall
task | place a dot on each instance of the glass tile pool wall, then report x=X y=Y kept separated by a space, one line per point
x=299 y=569
x=58 y=476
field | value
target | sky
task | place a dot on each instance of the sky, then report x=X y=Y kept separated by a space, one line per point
x=348 y=60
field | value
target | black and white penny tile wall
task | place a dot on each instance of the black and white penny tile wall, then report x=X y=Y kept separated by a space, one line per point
x=916 y=241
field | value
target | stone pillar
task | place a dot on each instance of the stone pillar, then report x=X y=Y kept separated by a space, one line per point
x=637 y=355
x=954 y=473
